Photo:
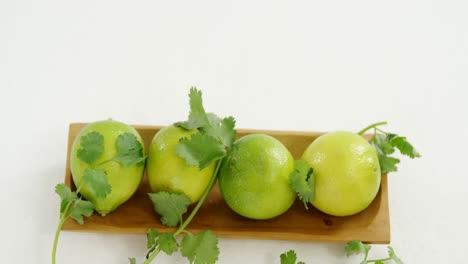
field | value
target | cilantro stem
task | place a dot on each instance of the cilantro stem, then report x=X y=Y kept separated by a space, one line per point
x=57 y=234
x=366 y=255
x=151 y=251
x=200 y=202
x=376 y=260
x=380 y=130
x=152 y=256
x=186 y=232
x=63 y=218
x=371 y=126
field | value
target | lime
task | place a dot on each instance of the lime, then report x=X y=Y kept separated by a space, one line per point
x=347 y=173
x=254 y=177
x=169 y=172
x=124 y=181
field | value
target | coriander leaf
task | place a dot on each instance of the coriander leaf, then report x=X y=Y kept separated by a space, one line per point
x=167 y=243
x=170 y=206
x=66 y=195
x=404 y=147
x=302 y=181
x=288 y=257
x=200 y=150
x=388 y=164
x=151 y=236
x=129 y=150
x=197 y=117
x=132 y=260
x=215 y=135
x=222 y=129
x=301 y=262
x=208 y=123
x=383 y=148
x=377 y=262
x=382 y=143
x=81 y=208
x=91 y=147
x=96 y=182
x=394 y=257
x=356 y=247
x=201 y=248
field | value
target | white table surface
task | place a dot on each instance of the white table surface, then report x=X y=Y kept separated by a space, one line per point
x=290 y=65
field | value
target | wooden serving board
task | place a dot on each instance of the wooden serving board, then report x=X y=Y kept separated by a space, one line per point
x=137 y=215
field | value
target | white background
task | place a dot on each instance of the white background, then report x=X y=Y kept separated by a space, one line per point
x=290 y=65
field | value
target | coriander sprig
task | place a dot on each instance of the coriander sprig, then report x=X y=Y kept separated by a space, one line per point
x=129 y=152
x=354 y=247
x=73 y=206
x=129 y=149
x=302 y=181
x=386 y=143
x=215 y=136
x=211 y=143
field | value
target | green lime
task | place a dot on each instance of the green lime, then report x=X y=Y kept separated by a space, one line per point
x=254 y=177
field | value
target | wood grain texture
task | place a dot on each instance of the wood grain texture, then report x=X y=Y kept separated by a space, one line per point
x=137 y=215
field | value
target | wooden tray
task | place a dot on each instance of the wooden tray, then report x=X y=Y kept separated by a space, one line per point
x=137 y=215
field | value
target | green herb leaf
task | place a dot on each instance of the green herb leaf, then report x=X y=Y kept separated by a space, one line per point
x=405 y=148
x=167 y=243
x=302 y=181
x=129 y=150
x=388 y=164
x=200 y=150
x=71 y=206
x=394 y=257
x=66 y=195
x=81 y=208
x=356 y=247
x=197 y=117
x=91 y=147
x=383 y=148
x=215 y=135
x=170 y=206
x=201 y=248
x=385 y=143
x=78 y=209
x=288 y=257
x=222 y=129
x=382 y=142
x=96 y=182
x=151 y=236
x=132 y=260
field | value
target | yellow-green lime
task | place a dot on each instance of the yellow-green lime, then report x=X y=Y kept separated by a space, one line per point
x=167 y=171
x=124 y=181
x=347 y=173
